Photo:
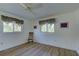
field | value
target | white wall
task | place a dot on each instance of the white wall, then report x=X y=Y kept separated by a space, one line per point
x=62 y=37
x=8 y=40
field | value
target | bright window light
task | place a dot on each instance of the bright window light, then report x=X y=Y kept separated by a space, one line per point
x=7 y=27
x=11 y=27
x=47 y=27
x=17 y=28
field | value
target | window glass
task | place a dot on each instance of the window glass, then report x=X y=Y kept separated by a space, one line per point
x=7 y=27
x=47 y=27
x=11 y=27
x=17 y=27
x=44 y=28
x=50 y=27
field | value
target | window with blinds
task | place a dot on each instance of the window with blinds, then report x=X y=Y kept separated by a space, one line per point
x=47 y=25
x=11 y=24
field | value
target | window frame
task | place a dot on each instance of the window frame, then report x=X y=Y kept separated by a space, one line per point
x=47 y=28
x=13 y=28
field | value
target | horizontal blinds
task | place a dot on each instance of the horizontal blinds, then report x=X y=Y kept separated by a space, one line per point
x=52 y=20
x=10 y=19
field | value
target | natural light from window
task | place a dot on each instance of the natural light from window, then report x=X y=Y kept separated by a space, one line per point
x=47 y=27
x=7 y=27
x=17 y=27
x=11 y=27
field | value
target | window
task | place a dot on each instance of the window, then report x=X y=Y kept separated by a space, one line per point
x=47 y=27
x=7 y=27
x=50 y=27
x=11 y=27
x=11 y=24
x=17 y=27
x=44 y=27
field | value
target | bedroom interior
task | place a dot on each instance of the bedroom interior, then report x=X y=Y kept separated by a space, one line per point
x=39 y=29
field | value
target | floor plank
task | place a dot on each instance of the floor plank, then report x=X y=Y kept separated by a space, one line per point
x=37 y=49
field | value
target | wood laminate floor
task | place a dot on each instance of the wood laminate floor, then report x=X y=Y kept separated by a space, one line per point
x=36 y=49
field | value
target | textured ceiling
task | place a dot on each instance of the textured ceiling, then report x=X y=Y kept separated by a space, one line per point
x=38 y=10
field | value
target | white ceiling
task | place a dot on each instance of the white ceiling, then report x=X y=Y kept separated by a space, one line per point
x=38 y=10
